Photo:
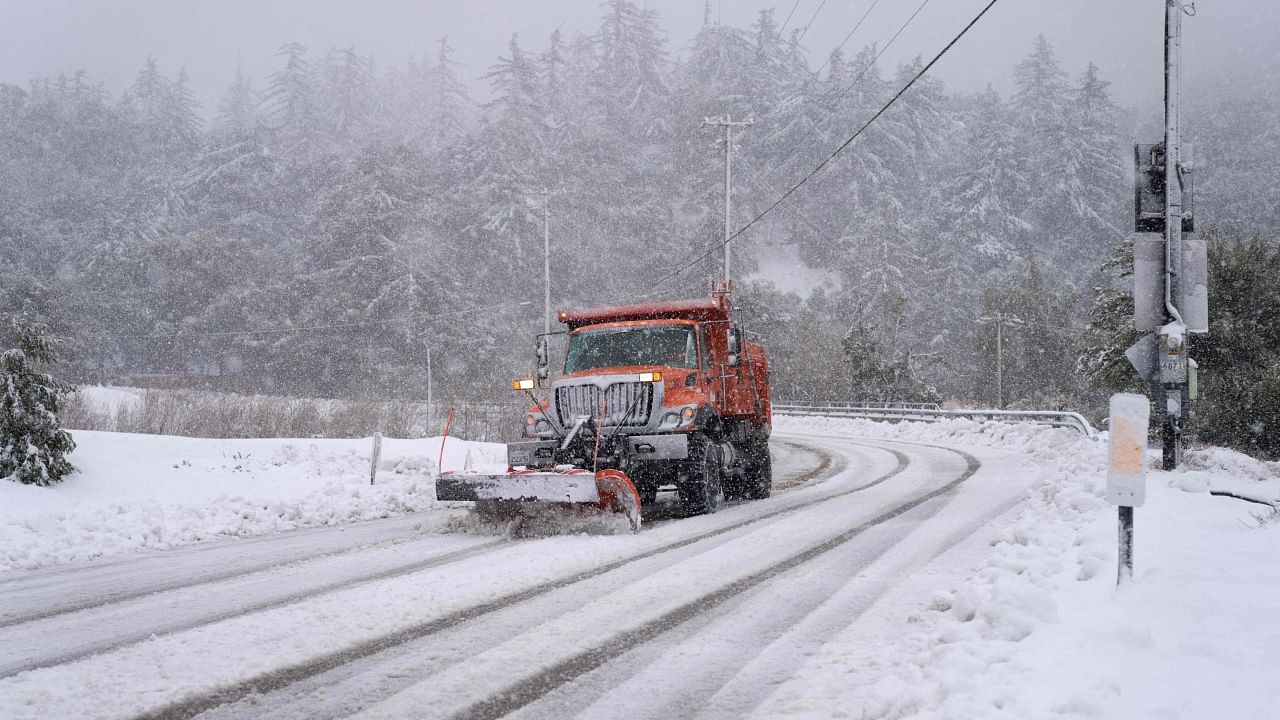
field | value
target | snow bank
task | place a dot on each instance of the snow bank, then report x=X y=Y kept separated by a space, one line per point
x=153 y=491
x=1038 y=628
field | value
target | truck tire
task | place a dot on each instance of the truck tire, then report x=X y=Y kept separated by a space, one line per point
x=758 y=470
x=648 y=493
x=702 y=491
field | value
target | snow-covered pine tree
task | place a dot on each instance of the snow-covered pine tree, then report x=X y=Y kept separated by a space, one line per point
x=630 y=80
x=289 y=102
x=1041 y=105
x=33 y=445
x=238 y=110
x=1039 y=341
x=346 y=99
x=1094 y=187
x=448 y=99
x=1101 y=362
x=980 y=228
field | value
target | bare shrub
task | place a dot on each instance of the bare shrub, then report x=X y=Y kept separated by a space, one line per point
x=196 y=413
x=79 y=414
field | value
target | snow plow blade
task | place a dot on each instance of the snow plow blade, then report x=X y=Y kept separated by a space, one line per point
x=609 y=490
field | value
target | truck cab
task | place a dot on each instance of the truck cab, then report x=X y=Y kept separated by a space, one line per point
x=670 y=393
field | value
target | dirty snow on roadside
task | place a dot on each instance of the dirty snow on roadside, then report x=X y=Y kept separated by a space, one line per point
x=1038 y=629
x=155 y=491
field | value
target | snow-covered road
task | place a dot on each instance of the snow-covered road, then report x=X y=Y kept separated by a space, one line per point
x=382 y=619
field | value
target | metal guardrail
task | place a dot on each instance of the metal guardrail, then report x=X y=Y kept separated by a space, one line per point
x=920 y=412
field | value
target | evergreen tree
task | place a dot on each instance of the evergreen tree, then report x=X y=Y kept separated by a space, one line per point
x=1095 y=185
x=882 y=365
x=33 y=445
x=447 y=99
x=1037 y=342
x=346 y=98
x=1041 y=105
x=165 y=110
x=629 y=83
x=238 y=111
x=981 y=203
x=289 y=101
x=1111 y=331
x=1239 y=357
x=1239 y=403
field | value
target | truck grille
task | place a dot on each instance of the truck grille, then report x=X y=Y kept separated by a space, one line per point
x=574 y=401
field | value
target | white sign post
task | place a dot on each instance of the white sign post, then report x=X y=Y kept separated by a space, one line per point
x=376 y=457
x=1127 y=468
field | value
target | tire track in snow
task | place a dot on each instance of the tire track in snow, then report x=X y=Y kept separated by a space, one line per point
x=49 y=586
x=532 y=688
x=8 y=669
x=268 y=682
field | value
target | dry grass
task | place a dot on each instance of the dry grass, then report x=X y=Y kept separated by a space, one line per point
x=195 y=413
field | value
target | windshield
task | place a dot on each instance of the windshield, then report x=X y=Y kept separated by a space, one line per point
x=665 y=345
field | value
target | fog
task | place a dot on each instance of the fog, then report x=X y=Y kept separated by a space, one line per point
x=1227 y=42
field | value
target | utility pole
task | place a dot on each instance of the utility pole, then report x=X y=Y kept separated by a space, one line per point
x=1170 y=274
x=430 y=407
x=728 y=123
x=546 y=262
x=1000 y=319
x=1172 y=378
x=999 y=361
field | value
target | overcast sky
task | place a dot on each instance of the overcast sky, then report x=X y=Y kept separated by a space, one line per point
x=1228 y=41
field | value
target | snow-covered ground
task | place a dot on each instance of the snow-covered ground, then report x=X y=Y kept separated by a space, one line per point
x=1039 y=630
x=155 y=491
x=1020 y=619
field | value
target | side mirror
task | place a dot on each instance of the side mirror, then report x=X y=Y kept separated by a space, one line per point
x=735 y=347
x=542 y=357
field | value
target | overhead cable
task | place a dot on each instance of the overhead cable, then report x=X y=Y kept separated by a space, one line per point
x=854 y=30
x=805 y=31
x=831 y=109
x=783 y=27
x=884 y=108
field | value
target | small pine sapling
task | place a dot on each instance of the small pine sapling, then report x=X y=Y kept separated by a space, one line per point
x=33 y=445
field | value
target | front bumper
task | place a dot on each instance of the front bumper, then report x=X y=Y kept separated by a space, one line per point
x=542 y=453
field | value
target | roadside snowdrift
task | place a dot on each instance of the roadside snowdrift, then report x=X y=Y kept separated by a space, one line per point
x=155 y=491
x=1038 y=628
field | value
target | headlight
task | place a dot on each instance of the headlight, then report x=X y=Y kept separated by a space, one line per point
x=535 y=425
x=679 y=417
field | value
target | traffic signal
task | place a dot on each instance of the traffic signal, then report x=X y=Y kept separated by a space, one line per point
x=1148 y=188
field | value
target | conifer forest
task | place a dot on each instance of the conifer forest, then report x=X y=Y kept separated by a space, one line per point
x=323 y=227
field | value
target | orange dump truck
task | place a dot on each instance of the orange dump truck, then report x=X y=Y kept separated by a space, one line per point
x=654 y=395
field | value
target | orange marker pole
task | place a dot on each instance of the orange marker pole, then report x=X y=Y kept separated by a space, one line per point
x=447 y=422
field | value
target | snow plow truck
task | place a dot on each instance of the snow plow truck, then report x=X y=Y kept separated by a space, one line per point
x=652 y=396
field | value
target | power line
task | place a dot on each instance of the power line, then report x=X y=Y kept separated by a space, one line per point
x=831 y=109
x=794 y=5
x=850 y=35
x=805 y=31
x=884 y=108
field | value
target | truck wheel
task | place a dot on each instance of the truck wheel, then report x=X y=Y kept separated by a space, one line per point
x=758 y=474
x=648 y=494
x=702 y=492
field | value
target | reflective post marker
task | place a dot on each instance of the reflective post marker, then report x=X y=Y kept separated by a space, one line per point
x=1127 y=468
x=377 y=456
